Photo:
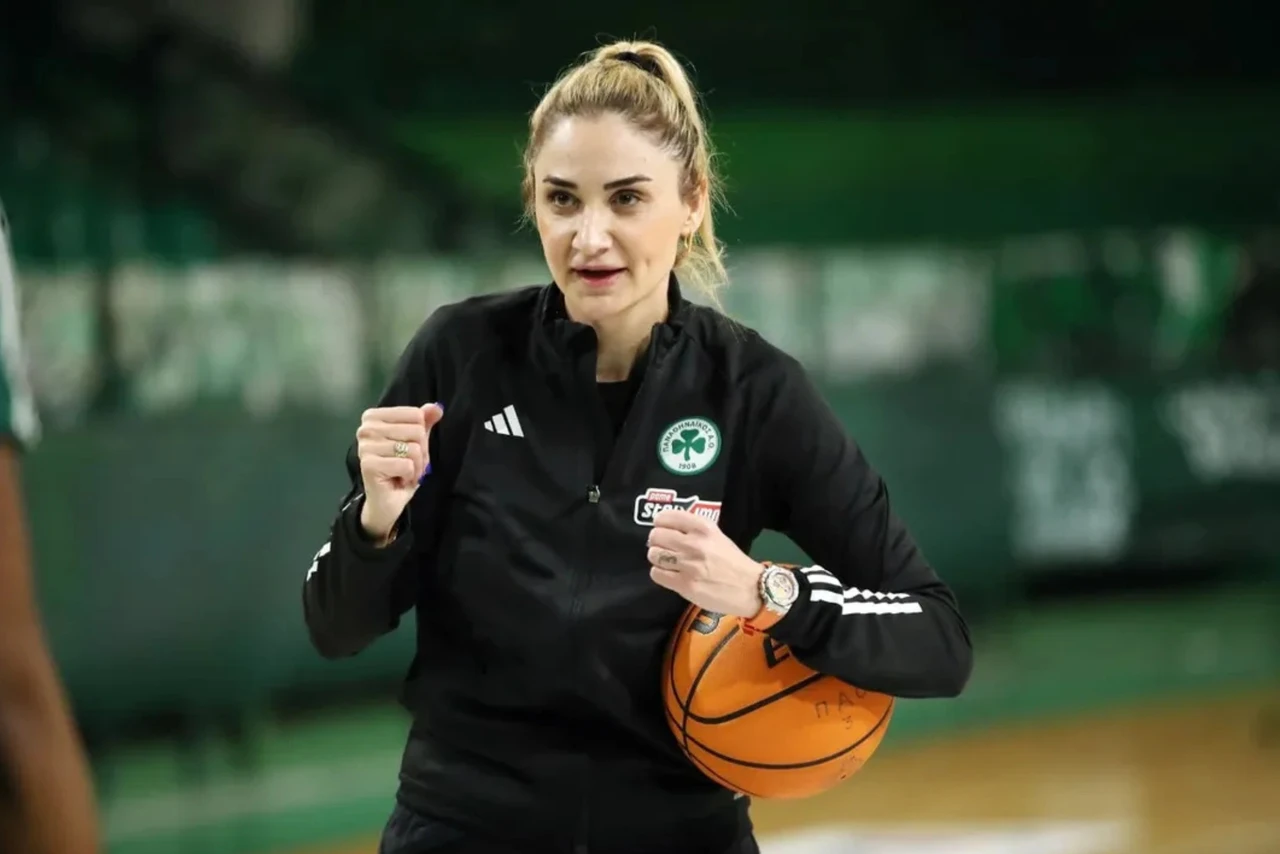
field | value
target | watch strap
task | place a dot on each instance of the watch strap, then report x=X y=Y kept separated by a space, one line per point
x=761 y=622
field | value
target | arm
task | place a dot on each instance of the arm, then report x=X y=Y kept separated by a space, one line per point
x=40 y=750
x=871 y=611
x=357 y=589
x=44 y=773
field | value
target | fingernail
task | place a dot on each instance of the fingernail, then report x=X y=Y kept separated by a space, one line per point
x=425 y=472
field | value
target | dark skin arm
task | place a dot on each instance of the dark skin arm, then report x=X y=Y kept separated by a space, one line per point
x=40 y=749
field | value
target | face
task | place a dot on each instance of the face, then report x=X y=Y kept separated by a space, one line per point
x=610 y=215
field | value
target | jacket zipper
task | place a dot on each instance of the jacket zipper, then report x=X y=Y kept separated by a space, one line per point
x=582 y=833
x=599 y=423
x=593 y=496
x=600 y=428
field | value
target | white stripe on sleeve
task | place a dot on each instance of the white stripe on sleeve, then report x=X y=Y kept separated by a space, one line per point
x=825 y=587
x=315 y=562
x=22 y=418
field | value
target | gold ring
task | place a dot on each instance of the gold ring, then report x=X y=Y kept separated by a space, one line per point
x=401 y=449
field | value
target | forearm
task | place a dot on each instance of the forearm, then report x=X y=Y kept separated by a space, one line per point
x=905 y=644
x=43 y=758
x=40 y=751
x=356 y=588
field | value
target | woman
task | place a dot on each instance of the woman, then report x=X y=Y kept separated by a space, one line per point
x=520 y=485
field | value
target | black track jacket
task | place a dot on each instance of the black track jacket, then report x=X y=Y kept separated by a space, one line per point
x=535 y=688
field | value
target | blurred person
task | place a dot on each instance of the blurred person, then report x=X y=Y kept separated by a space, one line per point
x=1251 y=333
x=46 y=794
x=519 y=485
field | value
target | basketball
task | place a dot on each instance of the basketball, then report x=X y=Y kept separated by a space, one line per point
x=756 y=720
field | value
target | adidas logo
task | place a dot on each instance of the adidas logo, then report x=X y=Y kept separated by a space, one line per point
x=505 y=422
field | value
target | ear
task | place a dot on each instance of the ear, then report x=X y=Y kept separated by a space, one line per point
x=697 y=209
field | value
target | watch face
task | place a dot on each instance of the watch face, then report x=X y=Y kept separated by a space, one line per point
x=782 y=586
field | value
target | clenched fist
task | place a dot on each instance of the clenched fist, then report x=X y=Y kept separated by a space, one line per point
x=392 y=446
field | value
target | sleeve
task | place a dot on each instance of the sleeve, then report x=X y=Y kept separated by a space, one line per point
x=18 y=420
x=355 y=592
x=871 y=610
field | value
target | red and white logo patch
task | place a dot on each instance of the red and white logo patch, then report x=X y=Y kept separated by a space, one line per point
x=654 y=501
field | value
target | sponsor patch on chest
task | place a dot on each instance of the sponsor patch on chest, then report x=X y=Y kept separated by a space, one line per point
x=654 y=501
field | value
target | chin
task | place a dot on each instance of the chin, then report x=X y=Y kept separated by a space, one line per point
x=593 y=305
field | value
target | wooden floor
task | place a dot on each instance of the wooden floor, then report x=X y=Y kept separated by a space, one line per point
x=1173 y=781
x=1191 y=780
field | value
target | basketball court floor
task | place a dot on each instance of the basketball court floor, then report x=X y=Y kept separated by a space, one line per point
x=1192 y=779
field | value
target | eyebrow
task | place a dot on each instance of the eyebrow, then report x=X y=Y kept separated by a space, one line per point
x=612 y=185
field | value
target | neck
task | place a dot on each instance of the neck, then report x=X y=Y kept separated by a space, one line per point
x=623 y=337
x=619 y=350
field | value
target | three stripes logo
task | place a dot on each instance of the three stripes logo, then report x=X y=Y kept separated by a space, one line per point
x=825 y=587
x=505 y=423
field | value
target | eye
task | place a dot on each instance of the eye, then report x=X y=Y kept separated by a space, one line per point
x=559 y=199
x=627 y=198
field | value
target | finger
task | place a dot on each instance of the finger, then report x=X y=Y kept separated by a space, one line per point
x=666 y=538
x=386 y=448
x=392 y=430
x=680 y=520
x=687 y=547
x=431 y=414
x=666 y=578
x=402 y=470
x=393 y=415
x=665 y=559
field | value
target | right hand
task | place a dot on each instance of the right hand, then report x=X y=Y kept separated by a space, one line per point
x=390 y=480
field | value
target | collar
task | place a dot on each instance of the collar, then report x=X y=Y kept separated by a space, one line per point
x=556 y=336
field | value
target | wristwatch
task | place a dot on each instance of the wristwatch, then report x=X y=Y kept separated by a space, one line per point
x=779 y=589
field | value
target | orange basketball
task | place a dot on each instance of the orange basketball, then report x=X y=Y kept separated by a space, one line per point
x=756 y=720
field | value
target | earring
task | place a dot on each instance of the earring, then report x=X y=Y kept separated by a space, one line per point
x=685 y=248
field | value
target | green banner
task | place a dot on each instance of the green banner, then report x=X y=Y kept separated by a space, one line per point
x=171 y=549
x=1059 y=400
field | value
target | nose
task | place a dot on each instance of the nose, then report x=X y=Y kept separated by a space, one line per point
x=593 y=235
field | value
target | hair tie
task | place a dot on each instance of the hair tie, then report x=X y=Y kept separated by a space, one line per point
x=646 y=64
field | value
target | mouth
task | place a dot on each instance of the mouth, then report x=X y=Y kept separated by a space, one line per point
x=599 y=276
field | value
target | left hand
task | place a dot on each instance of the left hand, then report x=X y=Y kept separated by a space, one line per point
x=693 y=557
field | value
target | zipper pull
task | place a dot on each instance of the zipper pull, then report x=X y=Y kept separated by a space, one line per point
x=593 y=494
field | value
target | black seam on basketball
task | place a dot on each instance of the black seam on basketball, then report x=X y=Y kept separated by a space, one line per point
x=682 y=702
x=711 y=772
x=796 y=766
x=685 y=703
x=693 y=686
x=689 y=617
x=758 y=704
x=685 y=623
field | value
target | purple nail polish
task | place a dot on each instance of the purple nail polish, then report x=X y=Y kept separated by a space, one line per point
x=427 y=471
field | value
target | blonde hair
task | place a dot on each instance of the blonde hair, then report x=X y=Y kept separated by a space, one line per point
x=646 y=85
